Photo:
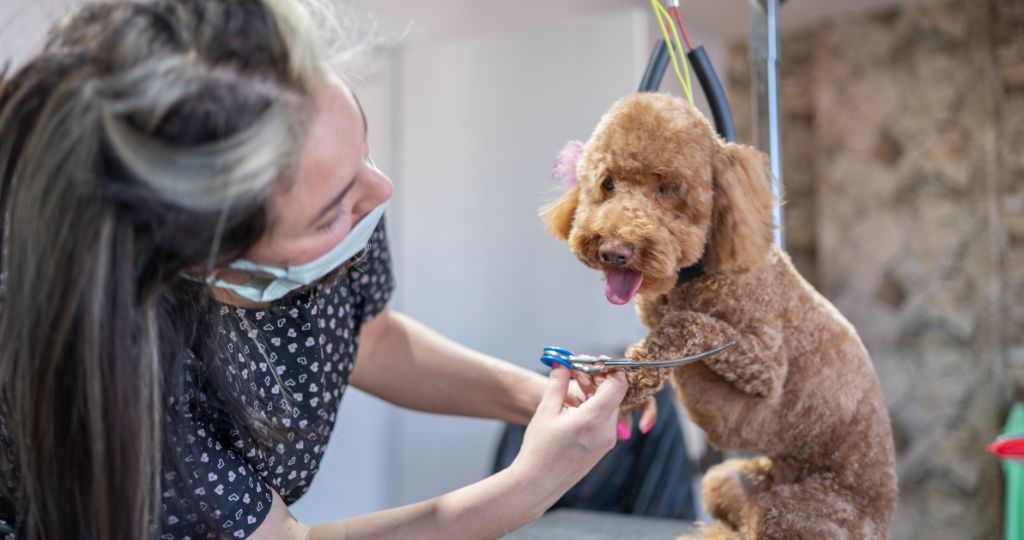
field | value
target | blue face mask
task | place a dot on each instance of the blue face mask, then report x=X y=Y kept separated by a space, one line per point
x=269 y=283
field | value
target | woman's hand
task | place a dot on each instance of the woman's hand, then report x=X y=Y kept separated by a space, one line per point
x=562 y=443
x=648 y=409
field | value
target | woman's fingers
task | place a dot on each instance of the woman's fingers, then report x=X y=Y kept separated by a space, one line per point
x=587 y=384
x=624 y=429
x=581 y=387
x=610 y=390
x=554 y=394
x=648 y=414
x=574 y=395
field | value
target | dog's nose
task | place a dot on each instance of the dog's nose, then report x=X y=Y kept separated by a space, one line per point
x=615 y=253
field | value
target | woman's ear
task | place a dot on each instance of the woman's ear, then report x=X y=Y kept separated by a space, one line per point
x=741 y=218
x=559 y=215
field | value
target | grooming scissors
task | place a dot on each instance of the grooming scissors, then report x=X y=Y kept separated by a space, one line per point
x=599 y=364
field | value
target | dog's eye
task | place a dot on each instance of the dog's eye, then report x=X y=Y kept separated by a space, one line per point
x=608 y=184
x=667 y=190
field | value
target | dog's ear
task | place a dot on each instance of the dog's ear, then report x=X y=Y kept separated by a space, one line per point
x=741 y=218
x=559 y=215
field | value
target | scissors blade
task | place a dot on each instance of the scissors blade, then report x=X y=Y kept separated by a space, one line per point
x=587 y=360
x=633 y=364
x=676 y=362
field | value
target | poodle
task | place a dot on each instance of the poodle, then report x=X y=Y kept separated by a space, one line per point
x=680 y=219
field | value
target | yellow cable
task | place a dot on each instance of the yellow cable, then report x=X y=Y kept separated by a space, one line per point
x=682 y=55
x=668 y=41
x=659 y=12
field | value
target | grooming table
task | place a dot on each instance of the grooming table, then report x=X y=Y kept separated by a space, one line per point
x=581 y=525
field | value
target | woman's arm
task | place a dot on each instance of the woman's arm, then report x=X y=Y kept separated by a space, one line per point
x=402 y=361
x=489 y=508
x=560 y=445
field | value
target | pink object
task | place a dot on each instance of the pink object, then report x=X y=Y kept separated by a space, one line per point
x=565 y=163
x=646 y=428
x=1008 y=447
x=624 y=431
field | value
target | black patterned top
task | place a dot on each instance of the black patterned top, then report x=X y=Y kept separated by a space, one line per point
x=296 y=357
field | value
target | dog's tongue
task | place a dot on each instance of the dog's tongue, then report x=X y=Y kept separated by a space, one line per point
x=621 y=285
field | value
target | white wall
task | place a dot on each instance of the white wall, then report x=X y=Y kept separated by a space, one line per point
x=482 y=118
x=23 y=25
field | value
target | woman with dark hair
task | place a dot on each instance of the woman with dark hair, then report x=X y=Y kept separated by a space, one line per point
x=195 y=269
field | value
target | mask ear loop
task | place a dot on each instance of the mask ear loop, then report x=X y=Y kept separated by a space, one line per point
x=675 y=48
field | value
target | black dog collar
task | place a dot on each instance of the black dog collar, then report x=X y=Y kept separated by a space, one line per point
x=690 y=273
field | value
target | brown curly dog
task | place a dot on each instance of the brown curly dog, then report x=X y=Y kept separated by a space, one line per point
x=659 y=191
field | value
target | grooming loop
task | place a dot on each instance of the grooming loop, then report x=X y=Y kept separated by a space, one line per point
x=600 y=364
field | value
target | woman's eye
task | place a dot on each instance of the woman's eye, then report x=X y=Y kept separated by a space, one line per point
x=608 y=184
x=331 y=225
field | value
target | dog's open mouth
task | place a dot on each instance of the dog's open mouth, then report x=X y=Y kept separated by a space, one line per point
x=621 y=284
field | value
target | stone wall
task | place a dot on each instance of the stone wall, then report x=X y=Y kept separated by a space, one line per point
x=1008 y=53
x=903 y=143
x=798 y=148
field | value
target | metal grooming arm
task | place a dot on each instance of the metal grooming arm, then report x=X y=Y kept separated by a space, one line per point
x=764 y=58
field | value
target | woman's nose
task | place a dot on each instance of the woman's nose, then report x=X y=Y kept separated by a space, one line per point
x=382 y=190
x=378 y=189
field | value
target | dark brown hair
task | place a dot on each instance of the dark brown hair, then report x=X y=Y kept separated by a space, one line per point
x=140 y=143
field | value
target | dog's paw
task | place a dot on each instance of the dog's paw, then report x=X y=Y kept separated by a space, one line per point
x=729 y=488
x=642 y=385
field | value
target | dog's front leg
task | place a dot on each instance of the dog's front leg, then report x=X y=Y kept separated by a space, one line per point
x=753 y=365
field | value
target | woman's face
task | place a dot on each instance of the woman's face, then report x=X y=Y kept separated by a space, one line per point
x=334 y=188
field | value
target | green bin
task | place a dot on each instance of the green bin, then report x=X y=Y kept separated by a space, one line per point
x=1013 y=526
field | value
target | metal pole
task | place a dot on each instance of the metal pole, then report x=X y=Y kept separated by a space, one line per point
x=764 y=57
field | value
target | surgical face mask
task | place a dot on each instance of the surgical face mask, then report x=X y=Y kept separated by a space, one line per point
x=269 y=283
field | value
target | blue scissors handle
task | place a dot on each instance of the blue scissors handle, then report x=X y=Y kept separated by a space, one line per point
x=549 y=361
x=557 y=355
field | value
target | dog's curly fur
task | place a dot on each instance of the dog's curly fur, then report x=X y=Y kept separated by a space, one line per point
x=798 y=387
